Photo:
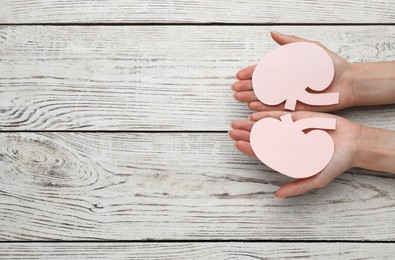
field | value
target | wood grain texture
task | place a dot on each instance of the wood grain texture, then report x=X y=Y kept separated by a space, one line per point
x=152 y=78
x=204 y=251
x=123 y=186
x=197 y=11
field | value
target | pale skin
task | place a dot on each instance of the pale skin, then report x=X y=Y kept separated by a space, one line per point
x=356 y=146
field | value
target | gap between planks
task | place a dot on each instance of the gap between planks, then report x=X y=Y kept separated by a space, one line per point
x=117 y=131
x=166 y=241
x=196 y=24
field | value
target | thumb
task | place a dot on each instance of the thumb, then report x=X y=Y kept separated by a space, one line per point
x=301 y=186
x=285 y=39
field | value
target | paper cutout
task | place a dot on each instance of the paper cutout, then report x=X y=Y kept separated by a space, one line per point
x=284 y=147
x=285 y=73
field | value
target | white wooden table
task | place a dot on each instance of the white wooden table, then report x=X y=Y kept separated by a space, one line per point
x=113 y=143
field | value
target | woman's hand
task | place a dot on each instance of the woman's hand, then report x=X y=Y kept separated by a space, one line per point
x=346 y=138
x=342 y=82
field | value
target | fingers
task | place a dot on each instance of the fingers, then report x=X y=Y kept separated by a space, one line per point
x=259 y=106
x=245 y=148
x=242 y=125
x=256 y=105
x=242 y=85
x=282 y=39
x=275 y=114
x=295 y=115
x=239 y=135
x=302 y=185
x=245 y=96
x=246 y=73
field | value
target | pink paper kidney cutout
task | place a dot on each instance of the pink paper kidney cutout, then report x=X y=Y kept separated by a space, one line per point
x=286 y=72
x=284 y=147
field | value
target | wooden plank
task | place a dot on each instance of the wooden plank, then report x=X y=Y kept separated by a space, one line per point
x=151 y=78
x=198 y=11
x=135 y=186
x=197 y=250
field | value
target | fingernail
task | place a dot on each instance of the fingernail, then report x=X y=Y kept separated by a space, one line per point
x=233 y=86
x=275 y=32
x=277 y=197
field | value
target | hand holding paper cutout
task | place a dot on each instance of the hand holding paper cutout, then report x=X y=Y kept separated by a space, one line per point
x=350 y=143
x=342 y=82
x=284 y=147
x=286 y=74
x=345 y=139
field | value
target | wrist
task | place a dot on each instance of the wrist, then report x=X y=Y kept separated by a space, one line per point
x=359 y=72
x=375 y=150
x=373 y=83
x=363 y=150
